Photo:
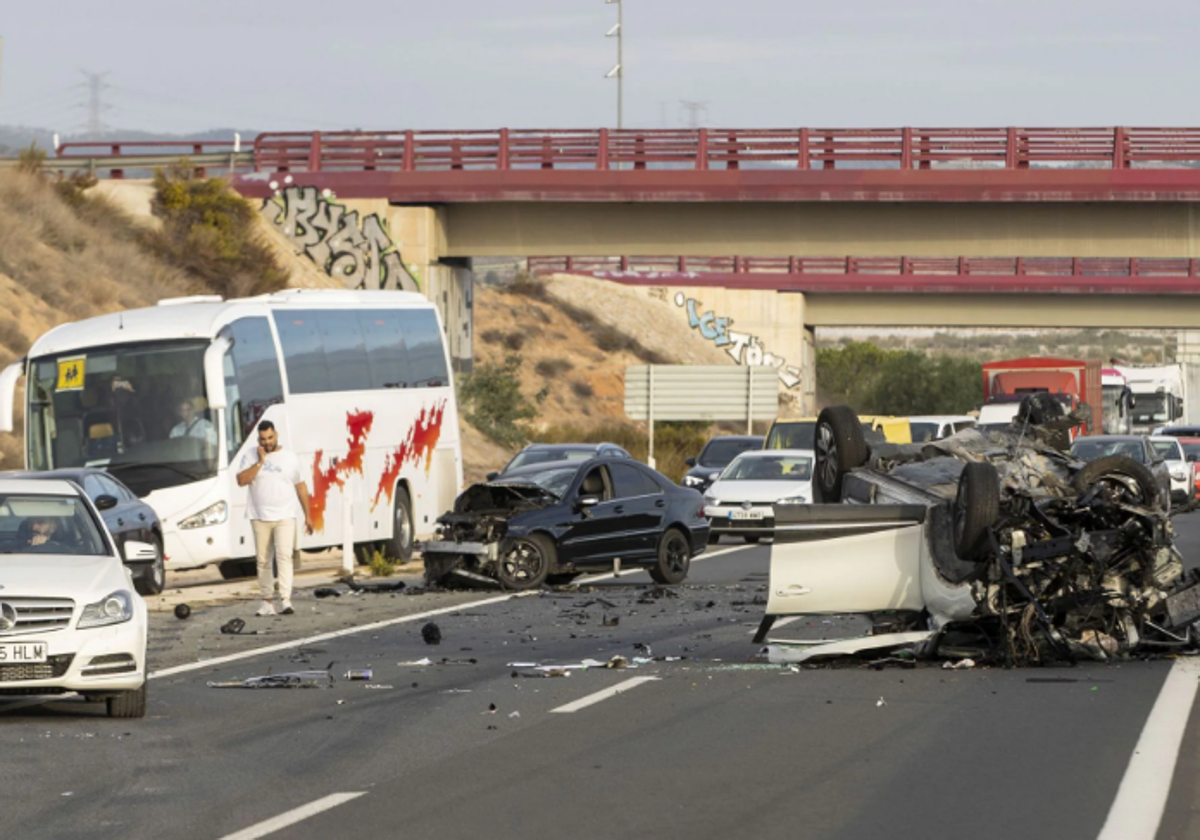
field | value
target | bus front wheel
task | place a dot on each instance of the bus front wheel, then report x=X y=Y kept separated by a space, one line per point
x=400 y=545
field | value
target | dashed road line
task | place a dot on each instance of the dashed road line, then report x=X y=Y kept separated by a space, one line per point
x=377 y=625
x=293 y=816
x=1142 y=797
x=612 y=691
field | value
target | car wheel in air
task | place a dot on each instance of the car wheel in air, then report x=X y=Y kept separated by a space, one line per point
x=127 y=704
x=674 y=558
x=525 y=563
x=400 y=545
x=154 y=577
x=976 y=508
x=1118 y=471
x=840 y=447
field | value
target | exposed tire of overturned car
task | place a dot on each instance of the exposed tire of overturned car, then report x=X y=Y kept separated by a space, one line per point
x=998 y=543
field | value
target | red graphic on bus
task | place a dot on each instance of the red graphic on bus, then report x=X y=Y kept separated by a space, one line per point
x=358 y=424
x=419 y=443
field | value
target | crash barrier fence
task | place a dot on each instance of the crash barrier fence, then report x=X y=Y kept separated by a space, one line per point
x=118 y=159
x=703 y=149
x=940 y=266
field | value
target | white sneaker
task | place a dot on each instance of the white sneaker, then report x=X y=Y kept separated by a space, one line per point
x=286 y=607
x=266 y=609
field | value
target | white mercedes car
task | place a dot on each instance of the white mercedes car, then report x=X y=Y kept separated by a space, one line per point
x=741 y=501
x=70 y=620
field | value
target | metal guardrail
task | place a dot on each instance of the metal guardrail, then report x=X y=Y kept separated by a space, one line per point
x=884 y=266
x=116 y=165
x=728 y=149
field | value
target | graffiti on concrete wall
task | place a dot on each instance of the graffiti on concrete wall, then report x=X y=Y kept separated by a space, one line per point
x=360 y=254
x=743 y=348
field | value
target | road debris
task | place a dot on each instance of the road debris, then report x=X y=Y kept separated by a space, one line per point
x=416 y=663
x=374 y=585
x=182 y=611
x=431 y=633
x=327 y=592
x=292 y=679
x=960 y=665
x=359 y=674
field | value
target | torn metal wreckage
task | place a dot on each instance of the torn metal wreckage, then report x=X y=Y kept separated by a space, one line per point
x=992 y=544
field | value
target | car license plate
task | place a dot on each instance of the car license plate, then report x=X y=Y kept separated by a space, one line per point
x=746 y=514
x=23 y=652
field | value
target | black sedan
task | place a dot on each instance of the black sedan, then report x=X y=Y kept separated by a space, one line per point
x=126 y=516
x=716 y=455
x=551 y=522
x=542 y=453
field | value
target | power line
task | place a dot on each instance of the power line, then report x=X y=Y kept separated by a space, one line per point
x=95 y=105
x=694 y=109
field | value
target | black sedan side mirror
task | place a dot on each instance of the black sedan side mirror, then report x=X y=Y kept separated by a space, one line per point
x=106 y=502
x=691 y=462
x=492 y=476
x=585 y=502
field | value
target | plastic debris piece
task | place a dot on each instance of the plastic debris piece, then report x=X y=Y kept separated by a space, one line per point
x=642 y=648
x=546 y=672
x=491 y=709
x=514 y=714
x=880 y=702
x=327 y=592
x=376 y=685
x=359 y=674
x=292 y=679
x=233 y=627
x=416 y=663
x=374 y=585
x=457 y=661
x=431 y=633
x=617 y=661
x=612 y=621
x=960 y=665
x=455 y=691
x=182 y=611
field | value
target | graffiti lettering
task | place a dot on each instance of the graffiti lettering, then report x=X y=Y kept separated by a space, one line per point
x=743 y=348
x=360 y=254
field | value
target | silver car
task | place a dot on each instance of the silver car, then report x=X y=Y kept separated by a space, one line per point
x=1171 y=451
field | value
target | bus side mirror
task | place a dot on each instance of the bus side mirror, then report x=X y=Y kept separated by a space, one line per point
x=8 y=393
x=214 y=372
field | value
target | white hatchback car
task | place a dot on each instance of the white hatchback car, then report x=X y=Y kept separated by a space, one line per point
x=70 y=620
x=741 y=502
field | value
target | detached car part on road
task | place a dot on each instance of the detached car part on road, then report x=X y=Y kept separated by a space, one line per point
x=69 y=617
x=998 y=543
x=551 y=522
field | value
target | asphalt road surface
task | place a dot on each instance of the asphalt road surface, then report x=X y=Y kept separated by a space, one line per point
x=698 y=739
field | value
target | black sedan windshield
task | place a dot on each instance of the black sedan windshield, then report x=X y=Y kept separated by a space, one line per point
x=1090 y=450
x=555 y=479
x=719 y=452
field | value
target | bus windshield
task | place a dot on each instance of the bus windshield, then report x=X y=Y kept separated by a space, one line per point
x=136 y=410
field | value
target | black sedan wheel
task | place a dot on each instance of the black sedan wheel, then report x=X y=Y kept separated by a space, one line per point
x=154 y=577
x=526 y=562
x=674 y=558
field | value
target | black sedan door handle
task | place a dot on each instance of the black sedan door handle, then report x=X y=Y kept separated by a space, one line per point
x=120 y=521
x=142 y=517
x=660 y=503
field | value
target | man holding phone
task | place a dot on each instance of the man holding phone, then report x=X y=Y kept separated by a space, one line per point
x=276 y=484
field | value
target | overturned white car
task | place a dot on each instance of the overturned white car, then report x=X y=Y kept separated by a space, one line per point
x=993 y=542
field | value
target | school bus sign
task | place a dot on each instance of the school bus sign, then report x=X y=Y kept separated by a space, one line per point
x=70 y=374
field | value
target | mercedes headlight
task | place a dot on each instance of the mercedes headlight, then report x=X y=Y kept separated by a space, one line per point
x=114 y=609
x=211 y=515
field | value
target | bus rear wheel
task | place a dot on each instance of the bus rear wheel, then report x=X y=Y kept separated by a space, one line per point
x=400 y=545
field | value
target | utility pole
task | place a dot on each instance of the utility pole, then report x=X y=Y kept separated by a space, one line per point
x=693 y=109
x=95 y=105
x=618 y=70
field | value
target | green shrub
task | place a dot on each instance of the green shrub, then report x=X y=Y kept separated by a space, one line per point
x=31 y=160
x=492 y=399
x=209 y=231
x=582 y=389
x=553 y=367
x=380 y=564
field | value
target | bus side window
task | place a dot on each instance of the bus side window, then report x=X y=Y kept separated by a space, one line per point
x=387 y=357
x=425 y=348
x=254 y=383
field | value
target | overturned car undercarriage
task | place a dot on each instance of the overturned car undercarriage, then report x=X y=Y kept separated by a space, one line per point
x=992 y=544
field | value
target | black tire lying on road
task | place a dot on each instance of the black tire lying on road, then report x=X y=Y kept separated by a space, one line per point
x=976 y=509
x=840 y=447
x=1119 y=467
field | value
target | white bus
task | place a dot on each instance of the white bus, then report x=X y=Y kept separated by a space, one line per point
x=357 y=383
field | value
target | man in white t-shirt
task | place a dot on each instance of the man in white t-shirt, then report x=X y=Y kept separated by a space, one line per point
x=193 y=425
x=276 y=484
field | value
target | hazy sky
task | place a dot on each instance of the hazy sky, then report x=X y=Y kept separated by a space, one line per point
x=188 y=65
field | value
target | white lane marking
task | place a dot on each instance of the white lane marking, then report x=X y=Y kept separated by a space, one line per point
x=350 y=631
x=322 y=637
x=613 y=691
x=293 y=816
x=1142 y=796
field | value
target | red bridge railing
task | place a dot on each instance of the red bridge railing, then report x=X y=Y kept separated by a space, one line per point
x=729 y=149
x=925 y=266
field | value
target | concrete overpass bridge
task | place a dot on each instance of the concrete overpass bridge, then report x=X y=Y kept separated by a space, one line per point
x=411 y=208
